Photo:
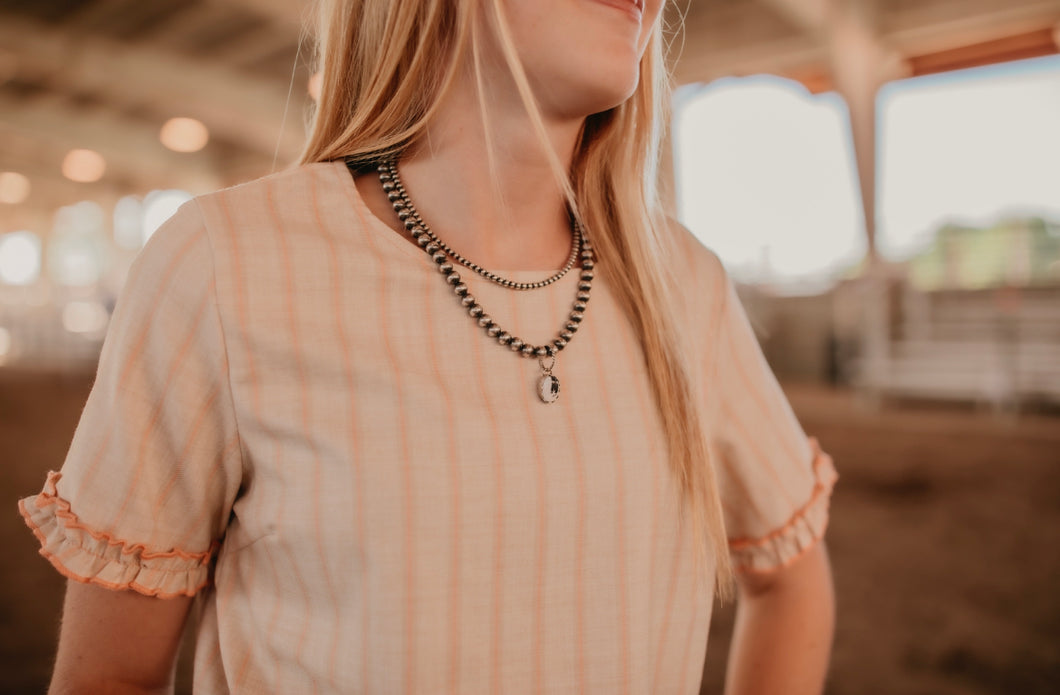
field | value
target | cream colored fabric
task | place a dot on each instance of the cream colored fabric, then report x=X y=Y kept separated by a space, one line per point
x=295 y=419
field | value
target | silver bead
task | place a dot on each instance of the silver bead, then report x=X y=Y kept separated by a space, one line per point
x=460 y=289
x=493 y=331
x=445 y=268
x=475 y=310
x=567 y=336
x=485 y=321
x=467 y=300
x=583 y=296
x=527 y=350
x=571 y=326
x=439 y=257
x=516 y=344
x=504 y=338
x=580 y=306
x=576 y=316
x=431 y=247
x=541 y=351
x=453 y=278
x=422 y=239
x=387 y=185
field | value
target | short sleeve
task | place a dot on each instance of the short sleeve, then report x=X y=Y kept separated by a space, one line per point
x=774 y=481
x=147 y=486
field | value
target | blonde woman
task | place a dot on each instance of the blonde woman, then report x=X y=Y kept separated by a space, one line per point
x=448 y=408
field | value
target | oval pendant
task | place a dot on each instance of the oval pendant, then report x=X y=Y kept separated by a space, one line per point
x=548 y=388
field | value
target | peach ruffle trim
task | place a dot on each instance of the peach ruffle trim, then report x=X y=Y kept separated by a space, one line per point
x=804 y=529
x=91 y=557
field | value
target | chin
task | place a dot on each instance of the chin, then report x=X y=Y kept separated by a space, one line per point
x=581 y=98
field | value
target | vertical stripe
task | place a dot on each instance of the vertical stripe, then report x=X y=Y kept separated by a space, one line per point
x=690 y=681
x=453 y=603
x=645 y=400
x=580 y=529
x=387 y=288
x=668 y=608
x=537 y=644
x=496 y=637
x=341 y=330
x=346 y=185
x=239 y=282
x=290 y=293
x=277 y=225
x=618 y=467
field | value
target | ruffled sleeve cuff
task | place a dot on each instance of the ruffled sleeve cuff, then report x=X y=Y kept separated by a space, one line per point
x=803 y=530
x=92 y=557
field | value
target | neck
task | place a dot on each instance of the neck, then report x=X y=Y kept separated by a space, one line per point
x=505 y=211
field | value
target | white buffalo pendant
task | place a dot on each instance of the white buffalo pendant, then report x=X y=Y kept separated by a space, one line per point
x=548 y=388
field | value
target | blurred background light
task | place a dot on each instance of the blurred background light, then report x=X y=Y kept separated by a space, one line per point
x=77 y=247
x=84 y=166
x=158 y=207
x=129 y=222
x=14 y=187
x=184 y=135
x=85 y=317
x=20 y=258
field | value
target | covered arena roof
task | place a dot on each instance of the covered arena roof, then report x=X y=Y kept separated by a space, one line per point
x=106 y=74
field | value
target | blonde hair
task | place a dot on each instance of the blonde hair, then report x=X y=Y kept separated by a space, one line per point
x=385 y=68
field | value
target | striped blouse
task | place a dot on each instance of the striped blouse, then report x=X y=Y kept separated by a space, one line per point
x=294 y=419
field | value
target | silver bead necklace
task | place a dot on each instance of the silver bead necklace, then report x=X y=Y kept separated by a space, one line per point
x=395 y=184
x=548 y=383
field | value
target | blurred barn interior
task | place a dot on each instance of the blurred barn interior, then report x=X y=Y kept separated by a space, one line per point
x=937 y=399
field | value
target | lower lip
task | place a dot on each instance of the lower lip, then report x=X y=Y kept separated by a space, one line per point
x=626 y=6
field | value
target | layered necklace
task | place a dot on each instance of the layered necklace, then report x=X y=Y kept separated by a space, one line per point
x=443 y=257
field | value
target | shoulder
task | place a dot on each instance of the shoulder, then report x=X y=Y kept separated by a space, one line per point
x=211 y=231
x=296 y=194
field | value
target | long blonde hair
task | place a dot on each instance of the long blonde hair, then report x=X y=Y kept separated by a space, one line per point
x=385 y=68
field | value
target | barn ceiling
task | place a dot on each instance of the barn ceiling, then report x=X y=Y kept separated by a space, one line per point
x=106 y=74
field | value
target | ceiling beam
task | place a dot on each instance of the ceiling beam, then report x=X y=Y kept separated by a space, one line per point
x=700 y=62
x=930 y=27
x=289 y=12
x=238 y=107
x=808 y=15
x=130 y=146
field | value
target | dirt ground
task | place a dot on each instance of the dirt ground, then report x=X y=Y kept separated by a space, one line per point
x=945 y=543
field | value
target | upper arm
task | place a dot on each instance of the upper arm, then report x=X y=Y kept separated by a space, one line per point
x=117 y=641
x=809 y=572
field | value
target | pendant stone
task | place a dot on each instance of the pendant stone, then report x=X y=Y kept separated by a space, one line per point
x=548 y=388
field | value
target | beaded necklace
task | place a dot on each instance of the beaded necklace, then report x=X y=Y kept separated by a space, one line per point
x=440 y=253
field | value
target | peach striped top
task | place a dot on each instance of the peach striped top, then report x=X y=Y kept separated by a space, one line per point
x=294 y=418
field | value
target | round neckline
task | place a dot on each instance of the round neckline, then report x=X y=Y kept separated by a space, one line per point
x=407 y=248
